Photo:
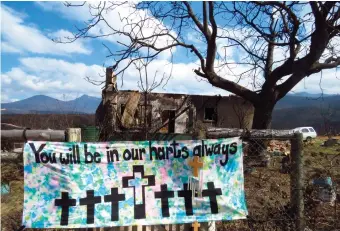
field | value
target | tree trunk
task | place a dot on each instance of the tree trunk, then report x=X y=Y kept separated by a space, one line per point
x=262 y=120
x=145 y=114
x=263 y=116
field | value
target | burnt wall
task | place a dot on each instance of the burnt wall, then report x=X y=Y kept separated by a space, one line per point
x=159 y=103
x=228 y=111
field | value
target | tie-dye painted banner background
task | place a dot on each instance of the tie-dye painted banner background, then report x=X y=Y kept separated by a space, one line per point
x=78 y=185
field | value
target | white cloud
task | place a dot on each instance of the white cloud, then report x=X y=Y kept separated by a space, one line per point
x=327 y=82
x=19 y=37
x=5 y=79
x=116 y=19
x=182 y=79
x=53 y=77
x=6 y=99
x=6 y=93
x=73 y=13
x=5 y=47
x=65 y=80
x=58 y=78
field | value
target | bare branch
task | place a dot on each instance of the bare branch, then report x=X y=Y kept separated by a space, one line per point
x=196 y=21
x=251 y=31
x=68 y=4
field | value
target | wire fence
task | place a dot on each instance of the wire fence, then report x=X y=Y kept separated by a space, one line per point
x=289 y=185
x=269 y=172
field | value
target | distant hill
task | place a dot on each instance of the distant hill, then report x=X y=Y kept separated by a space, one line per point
x=42 y=104
x=310 y=95
x=289 y=118
x=307 y=100
x=303 y=109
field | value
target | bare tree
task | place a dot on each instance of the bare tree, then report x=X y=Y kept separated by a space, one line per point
x=327 y=112
x=242 y=112
x=280 y=43
x=147 y=85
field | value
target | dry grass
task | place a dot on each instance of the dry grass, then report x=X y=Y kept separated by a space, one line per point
x=322 y=161
x=12 y=203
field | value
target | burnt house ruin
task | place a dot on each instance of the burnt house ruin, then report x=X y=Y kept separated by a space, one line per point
x=127 y=110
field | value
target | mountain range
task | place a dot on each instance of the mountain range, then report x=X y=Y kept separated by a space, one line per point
x=307 y=100
x=43 y=104
x=319 y=111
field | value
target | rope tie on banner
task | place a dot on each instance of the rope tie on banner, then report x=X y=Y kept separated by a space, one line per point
x=196 y=164
x=66 y=135
x=24 y=134
x=250 y=223
x=245 y=134
x=21 y=228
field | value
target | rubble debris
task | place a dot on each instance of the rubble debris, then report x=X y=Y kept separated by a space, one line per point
x=327 y=195
x=279 y=148
x=262 y=160
x=323 y=182
x=249 y=170
x=5 y=188
x=330 y=142
x=285 y=165
x=325 y=189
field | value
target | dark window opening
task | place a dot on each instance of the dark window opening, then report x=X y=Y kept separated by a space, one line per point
x=210 y=114
x=169 y=115
x=122 y=108
x=191 y=119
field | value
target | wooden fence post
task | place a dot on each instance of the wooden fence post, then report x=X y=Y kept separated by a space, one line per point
x=297 y=182
x=74 y=134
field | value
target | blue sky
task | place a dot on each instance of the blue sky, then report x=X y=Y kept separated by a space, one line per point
x=32 y=64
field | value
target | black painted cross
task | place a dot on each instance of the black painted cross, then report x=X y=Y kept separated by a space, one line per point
x=139 y=184
x=187 y=194
x=65 y=204
x=114 y=198
x=164 y=195
x=212 y=193
x=90 y=200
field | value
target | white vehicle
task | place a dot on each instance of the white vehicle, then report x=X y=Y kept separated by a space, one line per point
x=308 y=133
